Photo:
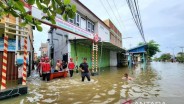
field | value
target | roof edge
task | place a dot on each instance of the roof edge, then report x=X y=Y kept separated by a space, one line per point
x=91 y=12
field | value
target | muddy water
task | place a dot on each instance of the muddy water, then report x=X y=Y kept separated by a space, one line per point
x=159 y=82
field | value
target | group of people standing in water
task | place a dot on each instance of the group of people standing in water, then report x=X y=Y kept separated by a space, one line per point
x=45 y=68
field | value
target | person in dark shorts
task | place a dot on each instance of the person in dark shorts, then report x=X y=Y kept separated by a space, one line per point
x=71 y=66
x=84 y=70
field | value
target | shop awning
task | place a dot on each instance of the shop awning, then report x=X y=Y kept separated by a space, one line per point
x=106 y=45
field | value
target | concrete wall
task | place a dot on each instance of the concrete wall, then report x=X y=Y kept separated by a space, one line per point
x=103 y=33
x=60 y=41
x=85 y=51
x=113 y=58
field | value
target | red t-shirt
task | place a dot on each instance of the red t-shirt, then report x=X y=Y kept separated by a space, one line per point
x=71 y=65
x=46 y=67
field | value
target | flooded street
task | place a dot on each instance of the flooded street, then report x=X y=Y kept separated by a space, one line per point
x=159 y=82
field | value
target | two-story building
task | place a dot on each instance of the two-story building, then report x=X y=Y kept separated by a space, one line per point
x=115 y=39
x=64 y=45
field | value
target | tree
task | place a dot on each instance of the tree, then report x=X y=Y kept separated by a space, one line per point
x=152 y=49
x=165 y=57
x=180 y=57
x=49 y=7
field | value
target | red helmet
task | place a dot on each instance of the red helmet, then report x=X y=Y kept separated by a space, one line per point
x=47 y=58
x=42 y=59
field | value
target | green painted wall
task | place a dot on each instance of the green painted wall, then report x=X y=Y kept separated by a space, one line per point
x=86 y=51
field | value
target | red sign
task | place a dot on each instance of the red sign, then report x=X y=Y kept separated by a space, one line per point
x=96 y=38
x=26 y=4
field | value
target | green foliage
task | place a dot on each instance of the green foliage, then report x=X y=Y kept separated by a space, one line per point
x=153 y=48
x=49 y=7
x=180 y=57
x=165 y=57
x=31 y=2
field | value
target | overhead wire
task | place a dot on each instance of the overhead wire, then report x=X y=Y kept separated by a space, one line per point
x=134 y=8
x=105 y=9
x=114 y=14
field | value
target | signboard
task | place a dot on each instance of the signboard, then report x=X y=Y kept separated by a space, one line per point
x=96 y=38
x=103 y=33
x=36 y=13
x=73 y=28
x=11 y=44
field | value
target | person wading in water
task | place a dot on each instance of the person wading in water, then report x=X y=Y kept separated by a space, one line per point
x=71 y=66
x=84 y=70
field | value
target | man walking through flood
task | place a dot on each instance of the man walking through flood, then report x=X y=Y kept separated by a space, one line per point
x=84 y=70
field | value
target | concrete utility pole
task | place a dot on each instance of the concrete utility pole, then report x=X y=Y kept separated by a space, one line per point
x=182 y=49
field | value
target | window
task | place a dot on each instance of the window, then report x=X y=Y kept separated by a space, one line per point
x=71 y=20
x=77 y=20
x=91 y=26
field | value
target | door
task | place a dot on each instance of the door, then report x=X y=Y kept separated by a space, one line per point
x=65 y=57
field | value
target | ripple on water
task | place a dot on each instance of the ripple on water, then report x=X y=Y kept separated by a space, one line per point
x=22 y=101
x=78 y=102
x=71 y=99
x=96 y=96
x=108 y=101
x=49 y=100
x=102 y=94
x=125 y=86
x=111 y=92
x=36 y=98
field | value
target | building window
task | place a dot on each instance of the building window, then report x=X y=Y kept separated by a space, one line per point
x=91 y=26
x=71 y=20
x=77 y=20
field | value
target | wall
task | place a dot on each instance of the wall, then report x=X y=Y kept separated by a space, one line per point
x=115 y=34
x=103 y=33
x=86 y=51
x=113 y=58
x=60 y=40
x=12 y=72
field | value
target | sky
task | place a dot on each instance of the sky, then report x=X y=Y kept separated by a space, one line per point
x=162 y=22
x=40 y=37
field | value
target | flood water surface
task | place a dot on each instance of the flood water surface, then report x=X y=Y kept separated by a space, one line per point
x=161 y=82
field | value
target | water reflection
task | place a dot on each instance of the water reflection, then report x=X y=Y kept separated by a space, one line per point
x=108 y=87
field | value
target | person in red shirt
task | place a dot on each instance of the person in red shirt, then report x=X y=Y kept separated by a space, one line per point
x=46 y=69
x=40 y=66
x=71 y=67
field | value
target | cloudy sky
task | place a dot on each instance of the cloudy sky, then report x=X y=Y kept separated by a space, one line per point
x=163 y=21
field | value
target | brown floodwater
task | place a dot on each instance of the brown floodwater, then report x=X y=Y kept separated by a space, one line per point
x=159 y=82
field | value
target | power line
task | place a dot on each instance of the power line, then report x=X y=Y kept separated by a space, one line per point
x=134 y=8
x=105 y=8
x=119 y=14
x=139 y=17
x=113 y=13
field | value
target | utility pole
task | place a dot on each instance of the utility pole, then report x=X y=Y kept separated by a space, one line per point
x=182 y=49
